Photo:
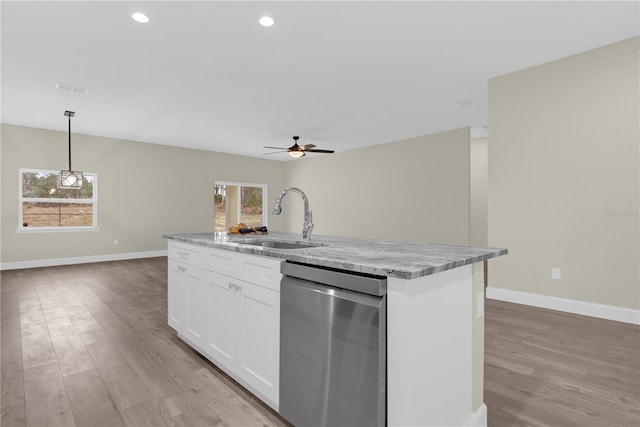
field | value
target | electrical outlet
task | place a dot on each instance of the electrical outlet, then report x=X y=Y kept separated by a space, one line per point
x=115 y=242
x=556 y=273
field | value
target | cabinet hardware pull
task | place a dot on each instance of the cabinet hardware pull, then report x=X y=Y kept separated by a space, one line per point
x=183 y=253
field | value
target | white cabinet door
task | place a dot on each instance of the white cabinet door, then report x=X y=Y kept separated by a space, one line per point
x=222 y=319
x=176 y=296
x=186 y=301
x=244 y=331
x=196 y=326
x=260 y=339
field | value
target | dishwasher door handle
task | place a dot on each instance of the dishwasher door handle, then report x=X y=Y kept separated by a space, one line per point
x=340 y=294
x=368 y=284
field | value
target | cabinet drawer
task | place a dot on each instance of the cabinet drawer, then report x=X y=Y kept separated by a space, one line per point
x=221 y=261
x=188 y=254
x=261 y=271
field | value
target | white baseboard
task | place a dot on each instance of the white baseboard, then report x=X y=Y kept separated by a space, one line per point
x=609 y=312
x=15 y=265
x=478 y=418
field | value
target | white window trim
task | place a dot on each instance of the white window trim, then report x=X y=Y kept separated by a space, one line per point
x=65 y=229
x=265 y=198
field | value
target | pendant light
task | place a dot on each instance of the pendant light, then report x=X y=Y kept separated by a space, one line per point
x=70 y=178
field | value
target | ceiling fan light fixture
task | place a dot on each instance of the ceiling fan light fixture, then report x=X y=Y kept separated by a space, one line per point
x=297 y=151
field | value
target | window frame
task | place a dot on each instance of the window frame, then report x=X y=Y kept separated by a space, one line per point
x=265 y=199
x=49 y=229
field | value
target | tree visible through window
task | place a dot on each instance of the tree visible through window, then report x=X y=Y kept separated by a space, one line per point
x=238 y=203
x=44 y=205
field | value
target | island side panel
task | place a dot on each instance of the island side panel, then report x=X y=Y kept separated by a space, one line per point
x=429 y=349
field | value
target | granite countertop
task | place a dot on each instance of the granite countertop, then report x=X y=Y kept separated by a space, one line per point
x=406 y=260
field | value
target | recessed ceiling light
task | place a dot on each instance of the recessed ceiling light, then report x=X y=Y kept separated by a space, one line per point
x=266 y=21
x=140 y=17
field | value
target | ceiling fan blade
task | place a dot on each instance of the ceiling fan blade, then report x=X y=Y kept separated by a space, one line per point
x=297 y=149
x=320 y=151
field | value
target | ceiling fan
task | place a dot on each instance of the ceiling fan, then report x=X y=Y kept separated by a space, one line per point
x=298 y=150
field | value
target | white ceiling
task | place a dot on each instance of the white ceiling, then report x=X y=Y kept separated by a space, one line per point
x=342 y=75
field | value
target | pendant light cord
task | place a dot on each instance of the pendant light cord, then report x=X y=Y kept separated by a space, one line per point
x=70 y=143
x=69 y=114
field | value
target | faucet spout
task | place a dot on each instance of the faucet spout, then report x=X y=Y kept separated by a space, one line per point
x=308 y=215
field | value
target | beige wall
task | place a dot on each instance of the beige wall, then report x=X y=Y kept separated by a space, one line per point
x=415 y=189
x=479 y=174
x=563 y=177
x=170 y=190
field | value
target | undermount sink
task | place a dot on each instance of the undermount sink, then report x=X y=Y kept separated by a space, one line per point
x=281 y=244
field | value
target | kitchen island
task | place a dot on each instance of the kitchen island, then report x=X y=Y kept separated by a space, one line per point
x=215 y=278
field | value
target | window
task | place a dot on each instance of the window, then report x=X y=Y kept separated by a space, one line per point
x=45 y=207
x=235 y=203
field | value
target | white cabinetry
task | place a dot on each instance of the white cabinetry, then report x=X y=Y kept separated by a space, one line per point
x=176 y=296
x=228 y=307
x=244 y=319
x=222 y=319
x=186 y=292
x=260 y=339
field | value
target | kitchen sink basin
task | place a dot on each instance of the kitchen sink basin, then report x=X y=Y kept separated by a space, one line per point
x=282 y=244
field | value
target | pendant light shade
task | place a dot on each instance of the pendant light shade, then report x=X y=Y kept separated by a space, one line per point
x=70 y=178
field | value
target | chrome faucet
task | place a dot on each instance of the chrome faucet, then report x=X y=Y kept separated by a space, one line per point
x=308 y=222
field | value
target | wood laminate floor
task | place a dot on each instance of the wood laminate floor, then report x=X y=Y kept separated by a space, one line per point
x=89 y=345
x=548 y=368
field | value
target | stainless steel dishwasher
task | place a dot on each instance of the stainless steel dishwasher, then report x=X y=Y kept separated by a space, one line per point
x=332 y=347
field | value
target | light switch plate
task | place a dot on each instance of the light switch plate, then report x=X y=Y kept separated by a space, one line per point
x=556 y=274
